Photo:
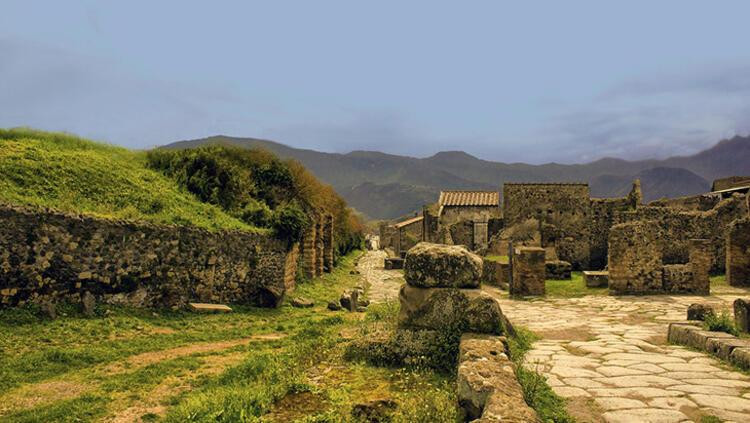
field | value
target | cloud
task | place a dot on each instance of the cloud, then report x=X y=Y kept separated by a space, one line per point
x=656 y=117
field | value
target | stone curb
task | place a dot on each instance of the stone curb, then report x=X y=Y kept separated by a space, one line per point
x=719 y=344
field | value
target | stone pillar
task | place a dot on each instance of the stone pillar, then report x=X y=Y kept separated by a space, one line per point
x=700 y=263
x=635 y=258
x=480 y=233
x=328 y=243
x=396 y=243
x=319 y=248
x=738 y=253
x=528 y=271
x=742 y=315
x=308 y=252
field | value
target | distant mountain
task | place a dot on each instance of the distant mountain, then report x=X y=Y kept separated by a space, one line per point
x=387 y=186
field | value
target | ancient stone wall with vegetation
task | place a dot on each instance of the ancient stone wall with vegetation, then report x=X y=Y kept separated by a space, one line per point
x=679 y=227
x=602 y=217
x=565 y=206
x=52 y=256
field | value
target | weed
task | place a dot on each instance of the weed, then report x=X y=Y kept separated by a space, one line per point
x=720 y=323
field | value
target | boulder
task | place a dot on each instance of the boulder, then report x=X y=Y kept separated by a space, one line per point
x=88 y=303
x=455 y=309
x=596 y=279
x=558 y=269
x=334 y=306
x=350 y=301
x=442 y=266
x=699 y=311
x=302 y=302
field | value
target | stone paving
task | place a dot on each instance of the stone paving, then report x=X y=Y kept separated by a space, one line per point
x=382 y=285
x=609 y=355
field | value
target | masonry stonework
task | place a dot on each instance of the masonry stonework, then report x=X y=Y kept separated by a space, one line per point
x=738 y=253
x=50 y=256
x=528 y=271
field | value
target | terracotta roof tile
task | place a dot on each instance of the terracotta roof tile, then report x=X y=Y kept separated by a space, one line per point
x=408 y=222
x=469 y=198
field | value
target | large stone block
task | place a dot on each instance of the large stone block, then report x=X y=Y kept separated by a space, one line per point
x=698 y=338
x=700 y=264
x=441 y=308
x=558 y=269
x=723 y=347
x=442 y=266
x=679 y=332
x=740 y=357
x=487 y=386
x=742 y=314
x=635 y=258
x=699 y=311
x=738 y=253
x=596 y=279
x=528 y=271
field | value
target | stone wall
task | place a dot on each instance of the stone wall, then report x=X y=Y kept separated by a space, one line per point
x=317 y=247
x=407 y=236
x=738 y=253
x=636 y=262
x=679 y=227
x=602 y=218
x=454 y=214
x=50 y=256
x=565 y=206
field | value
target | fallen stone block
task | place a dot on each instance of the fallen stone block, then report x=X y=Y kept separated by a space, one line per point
x=723 y=347
x=349 y=301
x=699 y=311
x=558 y=269
x=596 y=279
x=209 y=308
x=442 y=266
x=742 y=315
x=301 y=302
x=487 y=386
x=334 y=306
x=740 y=357
x=393 y=263
x=438 y=308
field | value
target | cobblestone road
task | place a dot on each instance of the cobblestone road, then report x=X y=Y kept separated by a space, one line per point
x=382 y=284
x=609 y=357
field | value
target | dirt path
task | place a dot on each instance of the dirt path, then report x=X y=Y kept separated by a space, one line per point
x=383 y=285
x=609 y=357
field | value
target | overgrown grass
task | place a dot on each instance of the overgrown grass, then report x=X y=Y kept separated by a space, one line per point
x=722 y=322
x=79 y=350
x=72 y=174
x=575 y=287
x=537 y=393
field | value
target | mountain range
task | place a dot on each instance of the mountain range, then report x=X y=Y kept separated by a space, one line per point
x=385 y=186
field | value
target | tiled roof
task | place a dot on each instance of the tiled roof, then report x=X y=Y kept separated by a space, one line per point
x=408 y=222
x=469 y=198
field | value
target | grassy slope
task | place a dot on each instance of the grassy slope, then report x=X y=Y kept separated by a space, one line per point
x=61 y=370
x=68 y=173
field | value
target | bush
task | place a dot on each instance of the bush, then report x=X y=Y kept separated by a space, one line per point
x=289 y=222
x=256 y=213
x=720 y=323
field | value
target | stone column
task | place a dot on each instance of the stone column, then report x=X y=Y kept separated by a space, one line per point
x=308 y=252
x=738 y=253
x=700 y=263
x=528 y=271
x=319 y=247
x=328 y=243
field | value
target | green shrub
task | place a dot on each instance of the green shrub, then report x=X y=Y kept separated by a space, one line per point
x=720 y=323
x=289 y=222
x=256 y=213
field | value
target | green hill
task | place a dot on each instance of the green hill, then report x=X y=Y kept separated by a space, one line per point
x=72 y=174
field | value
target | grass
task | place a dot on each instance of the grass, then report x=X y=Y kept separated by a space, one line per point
x=722 y=322
x=537 y=393
x=497 y=258
x=575 y=287
x=298 y=375
x=72 y=174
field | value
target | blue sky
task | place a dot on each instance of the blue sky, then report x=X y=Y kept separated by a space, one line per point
x=534 y=81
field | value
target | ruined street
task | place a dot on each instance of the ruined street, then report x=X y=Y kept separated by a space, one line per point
x=609 y=355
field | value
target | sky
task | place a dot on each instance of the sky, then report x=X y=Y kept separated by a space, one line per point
x=533 y=81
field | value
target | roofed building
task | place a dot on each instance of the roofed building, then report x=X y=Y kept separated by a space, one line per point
x=462 y=217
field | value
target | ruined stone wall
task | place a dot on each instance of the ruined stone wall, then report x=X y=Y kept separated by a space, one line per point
x=451 y=215
x=678 y=227
x=528 y=271
x=692 y=203
x=635 y=258
x=602 y=217
x=328 y=245
x=430 y=224
x=386 y=235
x=317 y=246
x=408 y=236
x=565 y=206
x=636 y=262
x=738 y=253
x=49 y=256
x=730 y=182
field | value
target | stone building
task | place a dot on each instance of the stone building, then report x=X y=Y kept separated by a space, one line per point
x=406 y=234
x=463 y=218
